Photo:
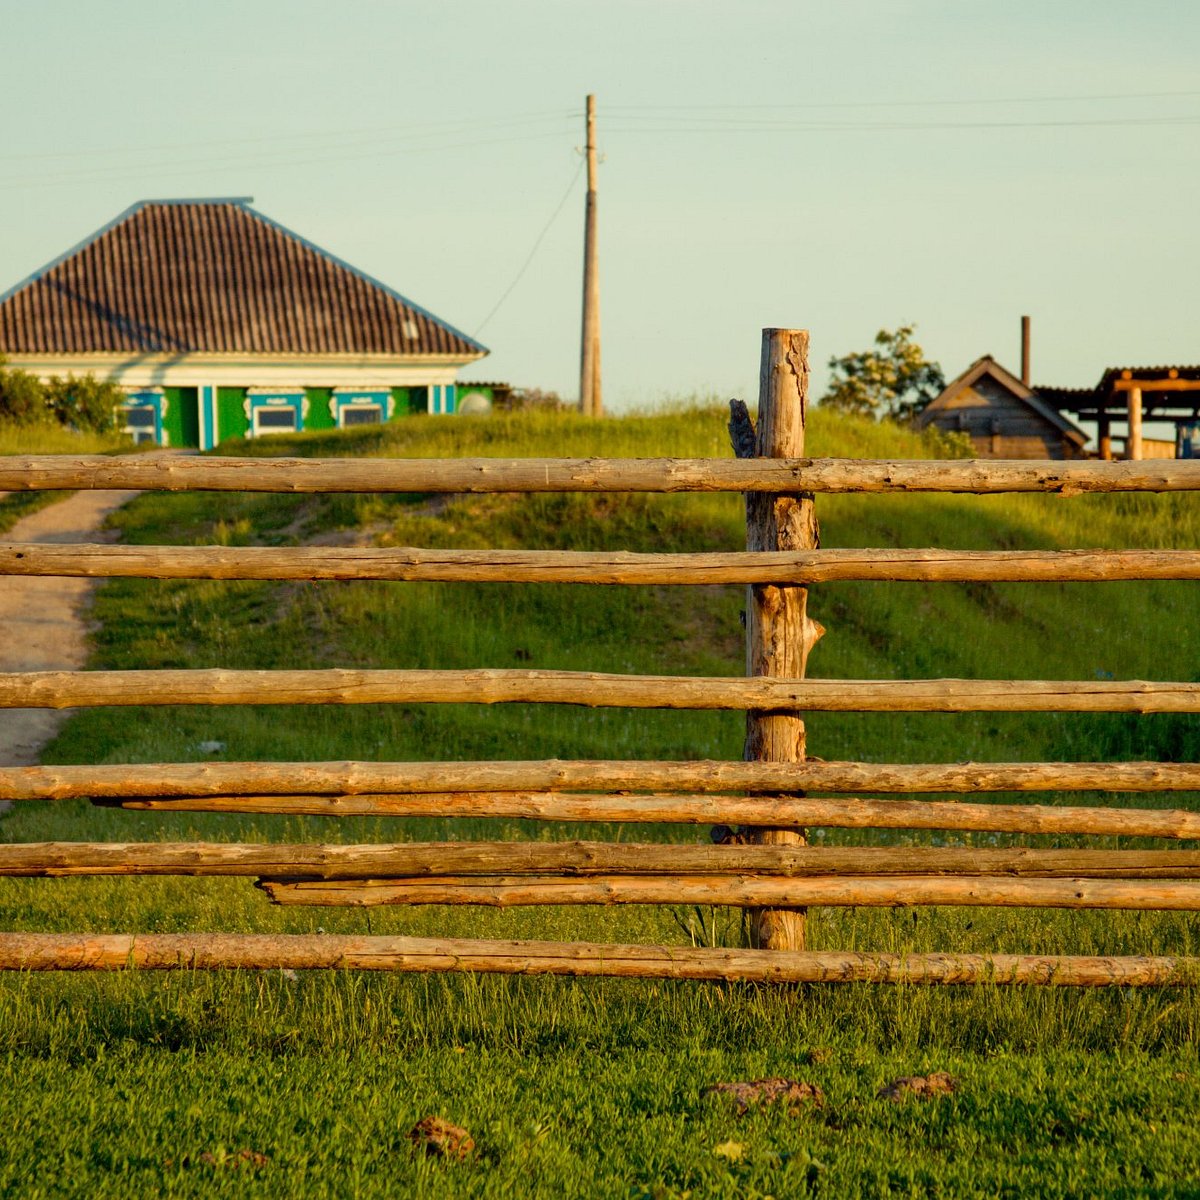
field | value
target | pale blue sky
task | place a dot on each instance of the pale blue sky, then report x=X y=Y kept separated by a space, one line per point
x=836 y=166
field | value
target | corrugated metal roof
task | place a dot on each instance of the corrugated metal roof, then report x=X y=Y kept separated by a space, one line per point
x=218 y=277
x=1113 y=374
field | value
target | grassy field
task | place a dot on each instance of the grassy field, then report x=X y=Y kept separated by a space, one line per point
x=154 y=1084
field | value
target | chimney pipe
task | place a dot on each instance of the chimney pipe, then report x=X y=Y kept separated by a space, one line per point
x=1025 y=351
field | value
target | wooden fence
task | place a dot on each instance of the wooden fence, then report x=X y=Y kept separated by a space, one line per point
x=769 y=869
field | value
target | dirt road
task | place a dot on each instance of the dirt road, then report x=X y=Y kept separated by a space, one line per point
x=43 y=622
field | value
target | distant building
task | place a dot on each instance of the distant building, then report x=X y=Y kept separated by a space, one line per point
x=1003 y=417
x=1131 y=396
x=221 y=323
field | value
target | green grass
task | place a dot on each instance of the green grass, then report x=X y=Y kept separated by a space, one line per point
x=594 y=1087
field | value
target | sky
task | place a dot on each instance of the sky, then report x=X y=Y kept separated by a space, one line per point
x=842 y=167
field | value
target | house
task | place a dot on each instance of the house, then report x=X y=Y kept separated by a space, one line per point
x=221 y=323
x=1004 y=417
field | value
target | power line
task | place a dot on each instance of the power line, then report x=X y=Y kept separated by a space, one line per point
x=536 y=244
x=414 y=129
x=187 y=167
x=732 y=126
x=945 y=101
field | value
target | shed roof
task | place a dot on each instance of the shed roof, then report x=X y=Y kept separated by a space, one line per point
x=215 y=276
x=1165 y=390
x=987 y=365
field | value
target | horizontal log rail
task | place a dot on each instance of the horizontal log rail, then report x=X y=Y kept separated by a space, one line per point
x=88 y=689
x=670 y=864
x=412 y=564
x=747 y=891
x=771 y=811
x=705 y=777
x=465 y=475
x=266 y=952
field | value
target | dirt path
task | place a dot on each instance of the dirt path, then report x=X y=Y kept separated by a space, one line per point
x=43 y=622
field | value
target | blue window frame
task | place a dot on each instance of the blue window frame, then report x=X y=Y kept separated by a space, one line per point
x=275 y=411
x=142 y=416
x=360 y=406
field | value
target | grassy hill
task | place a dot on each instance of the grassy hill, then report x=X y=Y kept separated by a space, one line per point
x=574 y=1087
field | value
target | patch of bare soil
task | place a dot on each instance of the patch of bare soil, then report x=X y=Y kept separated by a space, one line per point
x=439 y=1138
x=793 y=1094
x=44 y=621
x=939 y=1083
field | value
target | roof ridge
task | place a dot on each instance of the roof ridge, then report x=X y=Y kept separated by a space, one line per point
x=215 y=275
x=366 y=278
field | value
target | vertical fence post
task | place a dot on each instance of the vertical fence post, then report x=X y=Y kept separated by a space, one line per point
x=779 y=633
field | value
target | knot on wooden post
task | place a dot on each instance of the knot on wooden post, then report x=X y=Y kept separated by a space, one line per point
x=741 y=430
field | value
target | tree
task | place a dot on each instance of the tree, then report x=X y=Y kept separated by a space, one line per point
x=22 y=397
x=894 y=379
x=78 y=402
x=85 y=402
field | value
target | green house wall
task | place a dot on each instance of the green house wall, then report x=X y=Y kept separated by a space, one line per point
x=181 y=422
x=231 y=413
x=318 y=415
x=410 y=400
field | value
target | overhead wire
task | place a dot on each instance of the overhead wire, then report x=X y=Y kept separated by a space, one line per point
x=312 y=148
x=541 y=237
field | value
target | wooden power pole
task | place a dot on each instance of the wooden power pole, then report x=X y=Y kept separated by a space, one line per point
x=589 y=359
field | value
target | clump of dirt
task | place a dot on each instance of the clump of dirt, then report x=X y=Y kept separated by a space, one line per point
x=793 y=1094
x=924 y=1087
x=224 y=1158
x=438 y=1138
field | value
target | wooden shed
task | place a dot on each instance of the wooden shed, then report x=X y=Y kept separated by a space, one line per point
x=1003 y=417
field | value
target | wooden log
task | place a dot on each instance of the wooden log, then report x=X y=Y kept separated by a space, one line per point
x=779 y=632
x=411 y=564
x=1174 y=384
x=470 y=475
x=1133 y=443
x=708 y=777
x=591 y=689
x=267 y=952
x=833 y=813
x=671 y=863
x=745 y=892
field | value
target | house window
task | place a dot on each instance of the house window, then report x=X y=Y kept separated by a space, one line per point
x=359 y=406
x=276 y=420
x=142 y=417
x=360 y=414
x=274 y=411
x=140 y=420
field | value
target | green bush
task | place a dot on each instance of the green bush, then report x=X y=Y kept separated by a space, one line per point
x=83 y=403
x=22 y=397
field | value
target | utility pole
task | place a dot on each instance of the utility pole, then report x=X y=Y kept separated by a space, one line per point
x=589 y=359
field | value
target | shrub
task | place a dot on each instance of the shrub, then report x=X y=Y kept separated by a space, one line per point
x=83 y=403
x=22 y=397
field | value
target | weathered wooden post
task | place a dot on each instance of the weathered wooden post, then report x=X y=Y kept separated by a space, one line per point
x=779 y=633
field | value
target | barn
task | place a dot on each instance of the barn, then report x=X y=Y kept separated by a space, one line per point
x=1003 y=417
x=221 y=323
